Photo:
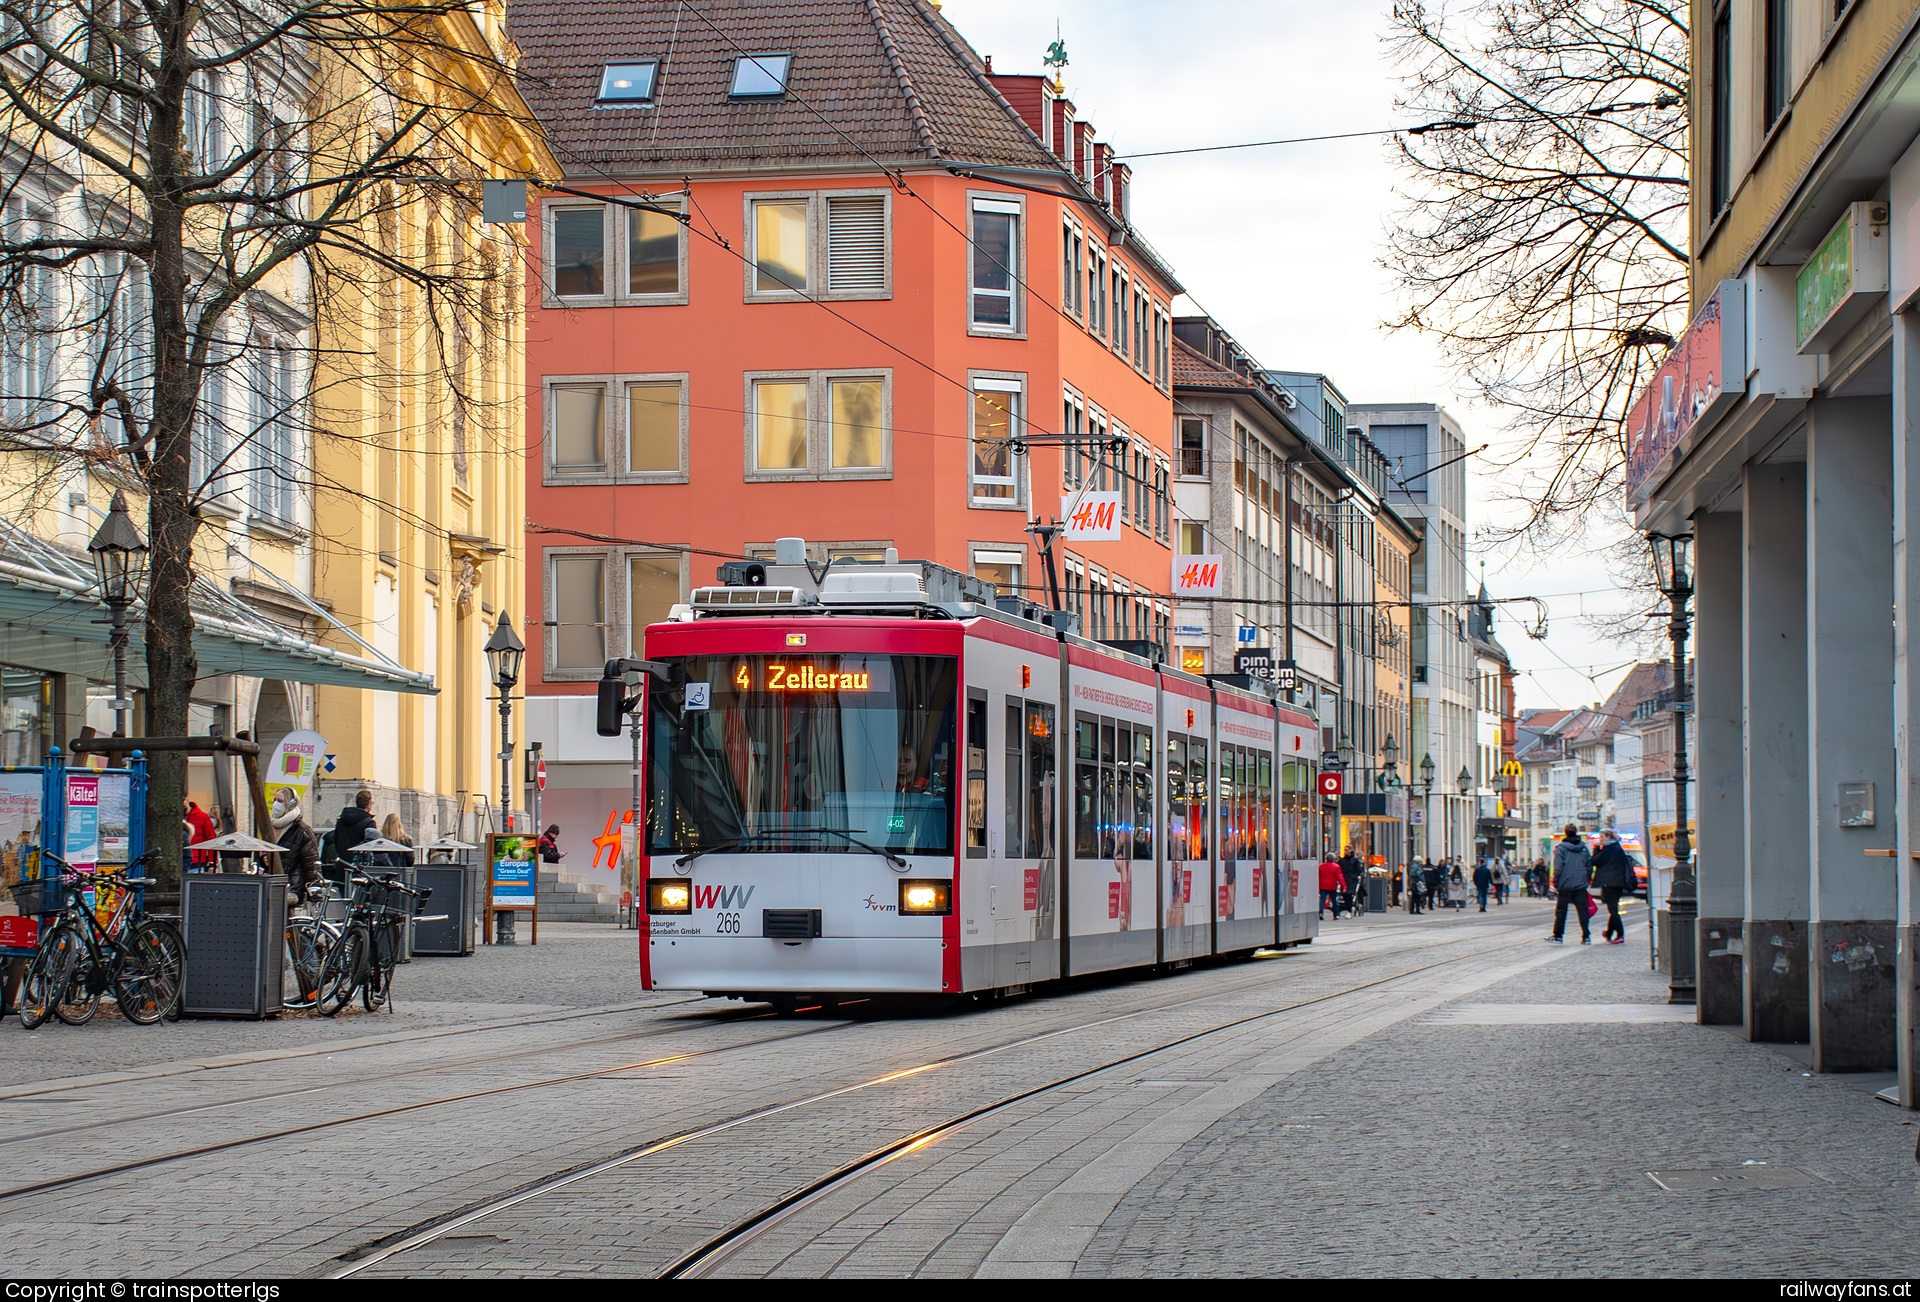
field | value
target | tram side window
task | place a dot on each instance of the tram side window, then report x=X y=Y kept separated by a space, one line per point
x=1109 y=815
x=1086 y=789
x=1143 y=794
x=1016 y=789
x=976 y=776
x=1229 y=806
x=1176 y=797
x=1197 y=798
x=1266 y=807
x=1039 y=784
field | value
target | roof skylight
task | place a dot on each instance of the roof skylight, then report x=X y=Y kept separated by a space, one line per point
x=760 y=76
x=627 y=83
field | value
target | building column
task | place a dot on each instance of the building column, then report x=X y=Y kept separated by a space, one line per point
x=1720 y=778
x=1850 y=940
x=1906 y=701
x=1774 y=604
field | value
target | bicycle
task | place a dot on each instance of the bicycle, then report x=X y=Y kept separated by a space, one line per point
x=368 y=950
x=142 y=962
x=309 y=939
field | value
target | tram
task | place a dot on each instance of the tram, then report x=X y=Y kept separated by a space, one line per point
x=876 y=778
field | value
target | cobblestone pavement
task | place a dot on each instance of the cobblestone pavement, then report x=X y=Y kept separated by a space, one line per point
x=1372 y=1079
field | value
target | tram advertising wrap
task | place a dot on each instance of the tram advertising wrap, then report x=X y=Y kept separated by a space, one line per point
x=873 y=788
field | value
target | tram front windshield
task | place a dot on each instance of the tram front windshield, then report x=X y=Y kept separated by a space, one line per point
x=802 y=752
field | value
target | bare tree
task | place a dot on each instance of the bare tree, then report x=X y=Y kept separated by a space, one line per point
x=207 y=215
x=1544 y=247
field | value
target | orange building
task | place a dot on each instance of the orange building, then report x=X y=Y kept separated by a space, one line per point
x=812 y=269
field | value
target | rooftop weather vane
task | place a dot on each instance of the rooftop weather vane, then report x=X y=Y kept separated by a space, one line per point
x=1056 y=55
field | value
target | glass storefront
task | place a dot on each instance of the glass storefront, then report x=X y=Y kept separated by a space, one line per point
x=26 y=716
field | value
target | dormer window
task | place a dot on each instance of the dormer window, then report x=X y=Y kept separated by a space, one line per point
x=627 y=83
x=760 y=76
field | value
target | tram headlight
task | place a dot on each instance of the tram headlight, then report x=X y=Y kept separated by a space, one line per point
x=926 y=897
x=665 y=895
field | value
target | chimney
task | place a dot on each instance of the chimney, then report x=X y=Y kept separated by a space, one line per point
x=1102 y=171
x=1118 y=181
x=1063 y=130
x=1082 y=160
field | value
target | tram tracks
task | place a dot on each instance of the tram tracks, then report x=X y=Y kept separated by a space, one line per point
x=716 y=1250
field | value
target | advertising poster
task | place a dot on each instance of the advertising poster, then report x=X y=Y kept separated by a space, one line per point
x=512 y=858
x=294 y=762
x=116 y=817
x=83 y=820
x=19 y=826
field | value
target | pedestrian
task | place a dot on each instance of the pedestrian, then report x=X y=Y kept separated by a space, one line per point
x=355 y=823
x=1572 y=875
x=392 y=829
x=1499 y=881
x=550 y=851
x=1416 y=887
x=200 y=827
x=1433 y=876
x=1482 y=882
x=1613 y=874
x=1332 y=882
x=299 y=848
x=1456 y=886
x=1537 y=880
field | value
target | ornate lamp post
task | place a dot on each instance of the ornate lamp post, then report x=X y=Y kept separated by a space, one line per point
x=120 y=559
x=1463 y=783
x=1673 y=572
x=504 y=652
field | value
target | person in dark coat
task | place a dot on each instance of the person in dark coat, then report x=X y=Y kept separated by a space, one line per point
x=299 y=848
x=1482 y=882
x=1572 y=876
x=1613 y=874
x=355 y=824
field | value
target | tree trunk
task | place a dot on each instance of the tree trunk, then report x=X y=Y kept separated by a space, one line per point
x=171 y=523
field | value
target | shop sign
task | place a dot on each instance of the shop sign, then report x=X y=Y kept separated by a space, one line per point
x=1197 y=576
x=1845 y=277
x=1256 y=664
x=295 y=760
x=1703 y=375
x=1091 y=517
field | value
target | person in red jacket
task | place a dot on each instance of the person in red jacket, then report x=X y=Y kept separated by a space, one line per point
x=1332 y=882
x=200 y=827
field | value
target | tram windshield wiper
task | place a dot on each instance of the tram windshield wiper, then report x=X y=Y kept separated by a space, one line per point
x=777 y=833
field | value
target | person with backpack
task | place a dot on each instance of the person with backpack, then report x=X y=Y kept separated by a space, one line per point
x=1613 y=874
x=1572 y=876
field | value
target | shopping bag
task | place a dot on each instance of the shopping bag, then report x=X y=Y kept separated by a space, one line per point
x=1592 y=908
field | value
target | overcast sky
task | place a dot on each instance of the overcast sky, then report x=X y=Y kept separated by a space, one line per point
x=1282 y=245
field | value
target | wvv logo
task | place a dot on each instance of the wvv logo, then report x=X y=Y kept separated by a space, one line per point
x=721 y=897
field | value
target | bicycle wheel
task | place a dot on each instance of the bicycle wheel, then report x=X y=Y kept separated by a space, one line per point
x=379 y=982
x=152 y=967
x=344 y=970
x=48 y=973
x=79 y=1001
x=307 y=946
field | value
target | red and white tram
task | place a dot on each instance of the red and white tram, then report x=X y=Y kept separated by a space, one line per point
x=873 y=780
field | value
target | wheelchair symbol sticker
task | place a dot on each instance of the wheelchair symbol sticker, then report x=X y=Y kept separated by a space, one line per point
x=699 y=696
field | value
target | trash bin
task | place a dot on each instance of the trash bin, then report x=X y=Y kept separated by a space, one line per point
x=1377 y=885
x=452 y=887
x=235 y=929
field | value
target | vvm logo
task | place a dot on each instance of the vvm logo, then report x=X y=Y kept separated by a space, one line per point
x=1200 y=577
x=721 y=897
x=1093 y=516
x=875 y=906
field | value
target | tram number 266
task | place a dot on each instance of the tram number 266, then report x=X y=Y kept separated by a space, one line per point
x=727 y=924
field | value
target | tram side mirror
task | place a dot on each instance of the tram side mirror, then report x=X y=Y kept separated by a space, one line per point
x=611 y=708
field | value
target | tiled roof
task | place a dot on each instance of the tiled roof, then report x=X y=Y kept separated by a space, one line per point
x=890 y=78
x=1191 y=366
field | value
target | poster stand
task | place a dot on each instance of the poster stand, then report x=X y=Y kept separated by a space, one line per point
x=513 y=880
x=89 y=817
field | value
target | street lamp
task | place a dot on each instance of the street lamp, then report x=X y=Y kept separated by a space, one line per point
x=120 y=559
x=1426 y=797
x=504 y=652
x=1673 y=572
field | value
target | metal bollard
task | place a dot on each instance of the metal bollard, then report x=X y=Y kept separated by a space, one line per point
x=503 y=928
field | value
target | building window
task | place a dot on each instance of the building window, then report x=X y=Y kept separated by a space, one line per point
x=760 y=76
x=1779 y=57
x=995 y=267
x=29 y=365
x=796 y=237
x=1072 y=251
x=1003 y=569
x=1122 y=297
x=819 y=425
x=654 y=250
x=1720 y=175
x=626 y=85
x=994 y=470
x=579 y=258
x=1193 y=446
x=619 y=427
x=654 y=587
x=1096 y=289
x=1142 y=317
x=577 y=605
x=272 y=389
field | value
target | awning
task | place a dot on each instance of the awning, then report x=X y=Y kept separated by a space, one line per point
x=47 y=592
